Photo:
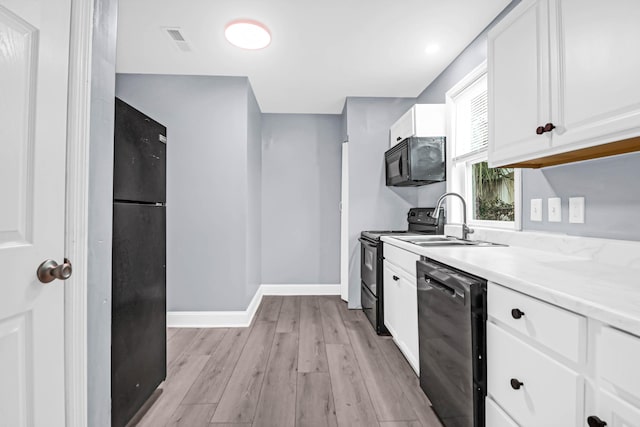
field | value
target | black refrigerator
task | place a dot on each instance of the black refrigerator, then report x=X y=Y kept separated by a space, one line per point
x=138 y=325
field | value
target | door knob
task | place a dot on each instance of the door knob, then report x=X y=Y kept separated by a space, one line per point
x=50 y=270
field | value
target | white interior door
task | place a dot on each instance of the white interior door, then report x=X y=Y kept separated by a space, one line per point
x=34 y=45
x=344 y=225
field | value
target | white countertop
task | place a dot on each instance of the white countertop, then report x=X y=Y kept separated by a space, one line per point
x=610 y=294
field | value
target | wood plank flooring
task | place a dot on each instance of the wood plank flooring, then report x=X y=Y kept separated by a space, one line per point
x=305 y=361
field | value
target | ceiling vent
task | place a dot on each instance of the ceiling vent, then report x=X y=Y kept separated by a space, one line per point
x=178 y=38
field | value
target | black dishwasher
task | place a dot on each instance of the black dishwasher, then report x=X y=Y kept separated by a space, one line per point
x=452 y=336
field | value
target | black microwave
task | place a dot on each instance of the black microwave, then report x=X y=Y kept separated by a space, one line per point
x=416 y=161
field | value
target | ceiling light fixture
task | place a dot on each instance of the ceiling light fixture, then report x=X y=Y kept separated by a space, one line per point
x=247 y=34
x=432 y=48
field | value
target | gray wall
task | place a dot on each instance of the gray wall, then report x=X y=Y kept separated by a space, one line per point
x=207 y=184
x=103 y=70
x=301 y=156
x=472 y=56
x=372 y=205
x=608 y=185
x=610 y=188
x=254 y=195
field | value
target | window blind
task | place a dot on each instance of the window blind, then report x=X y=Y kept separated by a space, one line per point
x=479 y=124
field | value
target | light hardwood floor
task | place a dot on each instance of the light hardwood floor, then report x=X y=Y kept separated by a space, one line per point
x=304 y=361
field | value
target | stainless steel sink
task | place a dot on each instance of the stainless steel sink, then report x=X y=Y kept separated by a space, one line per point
x=425 y=239
x=453 y=242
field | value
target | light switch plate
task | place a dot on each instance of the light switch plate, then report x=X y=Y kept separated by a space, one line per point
x=554 y=205
x=576 y=210
x=536 y=210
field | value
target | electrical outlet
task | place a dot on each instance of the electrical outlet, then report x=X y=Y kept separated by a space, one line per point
x=576 y=210
x=554 y=205
x=536 y=210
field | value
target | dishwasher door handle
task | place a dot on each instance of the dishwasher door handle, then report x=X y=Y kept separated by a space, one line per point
x=445 y=289
x=439 y=286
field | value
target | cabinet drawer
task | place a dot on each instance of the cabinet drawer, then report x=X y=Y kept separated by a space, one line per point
x=618 y=356
x=559 y=330
x=495 y=417
x=551 y=394
x=401 y=258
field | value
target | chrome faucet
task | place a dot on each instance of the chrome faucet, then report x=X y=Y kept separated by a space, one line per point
x=436 y=213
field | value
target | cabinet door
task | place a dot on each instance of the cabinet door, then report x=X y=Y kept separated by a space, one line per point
x=391 y=300
x=495 y=417
x=408 y=321
x=519 y=90
x=614 y=411
x=403 y=128
x=596 y=95
x=533 y=388
x=401 y=312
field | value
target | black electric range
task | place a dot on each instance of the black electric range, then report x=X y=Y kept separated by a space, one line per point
x=371 y=255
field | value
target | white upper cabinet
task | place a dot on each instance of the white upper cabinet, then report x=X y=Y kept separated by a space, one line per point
x=420 y=120
x=518 y=83
x=562 y=82
x=595 y=63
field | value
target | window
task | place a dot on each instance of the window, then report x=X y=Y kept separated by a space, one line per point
x=492 y=194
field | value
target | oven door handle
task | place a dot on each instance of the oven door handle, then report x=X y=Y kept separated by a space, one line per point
x=367 y=243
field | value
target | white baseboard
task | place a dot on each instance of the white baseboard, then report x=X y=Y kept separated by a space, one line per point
x=308 y=289
x=243 y=318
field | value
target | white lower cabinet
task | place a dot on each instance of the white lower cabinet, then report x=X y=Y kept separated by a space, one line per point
x=612 y=411
x=538 y=375
x=528 y=383
x=401 y=302
x=496 y=417
x=392 y=301
x=561 y=331
x=617 y=395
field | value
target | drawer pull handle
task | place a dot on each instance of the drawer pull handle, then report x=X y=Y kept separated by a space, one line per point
x=517 y=313
x=546 y=128
x=396 y=278
x=515 y=384
x=594 y=421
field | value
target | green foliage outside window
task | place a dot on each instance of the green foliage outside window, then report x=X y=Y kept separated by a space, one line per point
x=493 y=193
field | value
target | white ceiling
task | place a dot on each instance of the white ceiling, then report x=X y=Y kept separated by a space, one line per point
x=321 y=51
